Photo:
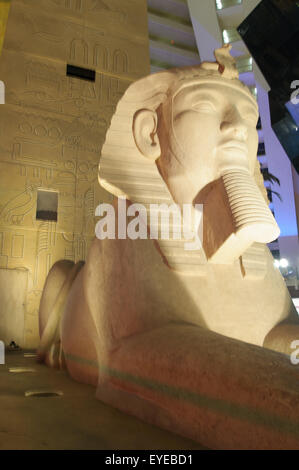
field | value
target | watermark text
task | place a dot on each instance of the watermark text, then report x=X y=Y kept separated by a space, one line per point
x=157 y=222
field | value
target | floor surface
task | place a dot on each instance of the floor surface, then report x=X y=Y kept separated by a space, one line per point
x=75 y=420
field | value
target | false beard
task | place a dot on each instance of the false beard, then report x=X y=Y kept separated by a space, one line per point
x=235 y=216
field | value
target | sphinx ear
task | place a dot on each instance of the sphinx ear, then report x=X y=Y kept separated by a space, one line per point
x=145 y=125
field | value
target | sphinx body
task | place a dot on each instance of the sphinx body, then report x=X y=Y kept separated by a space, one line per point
x=176 y=337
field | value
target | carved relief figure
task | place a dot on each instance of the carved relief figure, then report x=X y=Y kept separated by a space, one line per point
x=105 y=6
x=81 y=46
x=167 y=334
x=87 y=5
x=14 y=211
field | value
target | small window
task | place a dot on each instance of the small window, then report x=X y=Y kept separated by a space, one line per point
x=244 y=65
x=275 y=254
x=230 y=35
x=220 y=4
x=253 y=91
x=80 y=72
x=259 y=124
x=269 y=194
x=261 y=149
x=47 y=205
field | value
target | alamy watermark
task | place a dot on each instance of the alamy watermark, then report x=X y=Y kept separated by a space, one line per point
x=294 y=95
x=157 y=222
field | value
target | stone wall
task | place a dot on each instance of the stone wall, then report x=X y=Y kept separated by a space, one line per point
x=53 y=126
x=4 y=10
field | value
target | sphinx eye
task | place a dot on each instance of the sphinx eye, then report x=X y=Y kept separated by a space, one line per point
x=204 y=106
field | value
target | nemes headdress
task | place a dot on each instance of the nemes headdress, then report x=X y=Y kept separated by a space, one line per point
x=125 y=172
x=122 y=171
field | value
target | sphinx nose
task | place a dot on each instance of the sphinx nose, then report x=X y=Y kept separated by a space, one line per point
x=234 y=126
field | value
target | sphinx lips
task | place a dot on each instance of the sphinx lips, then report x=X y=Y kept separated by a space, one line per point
x=235 y=145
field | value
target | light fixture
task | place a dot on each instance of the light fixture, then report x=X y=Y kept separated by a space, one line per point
x=225 y=37
x=283 y=263
x=220 y=4
x=230 y=36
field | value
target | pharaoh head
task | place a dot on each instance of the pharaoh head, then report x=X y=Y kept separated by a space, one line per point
x=188 y=135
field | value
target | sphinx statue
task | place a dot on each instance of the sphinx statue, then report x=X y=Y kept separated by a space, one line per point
x=184 y=339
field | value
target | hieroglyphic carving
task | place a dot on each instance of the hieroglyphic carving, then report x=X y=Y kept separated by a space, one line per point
x=120 y=61
x=17 y=246
x=3 y=257
x=38 y=34
x=79 y=51
x=87 y=171
x=49 y=173
x=36 y=172
x=69 y=251
x=39 y=142
x=90 y=6
x=83 y=92
x=16 y=208
x=93 y=5
x=49 y=262
x=39 y=74
x=47 y=88
x=55 y=125
x=100 y=57
x=46 y=130
x=46 y=240
x=116 y=61
x=22 y=152
x=23 y=170
x=80 y=248
x=75 y=4
x=104 y=6
x=89 y=210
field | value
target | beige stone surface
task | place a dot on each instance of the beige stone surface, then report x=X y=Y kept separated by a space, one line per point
x=13 y=290
x=42 y=84
x=4 y=10
x=223 y=393
x=193 y=127
x=53 y=126
x=74 y=421
x=170 y=335
x=108 y=17
x=82 y=42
